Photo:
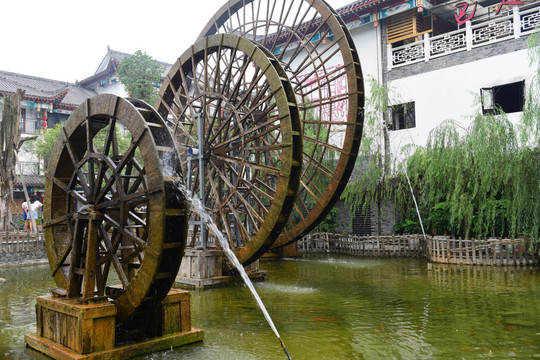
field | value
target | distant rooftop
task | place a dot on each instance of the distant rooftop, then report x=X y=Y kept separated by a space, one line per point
x=62 y=94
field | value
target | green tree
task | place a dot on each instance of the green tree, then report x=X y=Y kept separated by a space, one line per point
x=526 y=204
x=378 y=180
x=531 y=112
x=467 y=180
x=139 y=72
x=44 y=145
x=9 y=141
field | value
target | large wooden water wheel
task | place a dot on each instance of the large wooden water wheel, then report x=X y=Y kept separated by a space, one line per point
x=318 y=54
x=114 y=215
x=229 y=97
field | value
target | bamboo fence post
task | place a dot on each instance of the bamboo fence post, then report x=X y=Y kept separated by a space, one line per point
x=514 y=252
x=473 y=246
x=460 y=250
x=445 y=251
x=480 y=261
x=495 y=253
x=452 y=250
x=363 y=247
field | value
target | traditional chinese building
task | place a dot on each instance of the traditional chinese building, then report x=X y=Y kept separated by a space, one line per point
x=444 y=60
x=44 y=104
x=105 y=79
x=48 y=102
x=441 y=56
x=465 y=52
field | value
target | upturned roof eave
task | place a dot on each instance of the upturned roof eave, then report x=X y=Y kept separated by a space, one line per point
x=111 y=68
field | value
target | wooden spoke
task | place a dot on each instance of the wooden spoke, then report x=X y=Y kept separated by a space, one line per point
x=319 y=57
x=239 y=94
x=98 y=199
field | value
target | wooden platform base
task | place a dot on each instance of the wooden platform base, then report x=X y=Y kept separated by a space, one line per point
x=201 y=269
x=60 y=352
x=201 y=284
x=68 y=329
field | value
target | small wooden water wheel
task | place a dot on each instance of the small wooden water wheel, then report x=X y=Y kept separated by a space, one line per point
x=114 y=213
x=229 y=97
x=314 y=46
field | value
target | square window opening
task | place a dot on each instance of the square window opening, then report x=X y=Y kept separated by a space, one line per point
x=509 y=98
x=402 y=116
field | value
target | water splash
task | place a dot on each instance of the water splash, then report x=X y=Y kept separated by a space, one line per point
x=196 y=205
x=288 y=289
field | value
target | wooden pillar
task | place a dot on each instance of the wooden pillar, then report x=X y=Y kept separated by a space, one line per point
x=473 y=246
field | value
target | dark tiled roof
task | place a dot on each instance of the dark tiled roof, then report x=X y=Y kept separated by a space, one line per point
x=348 y=13
x=77 y=95
x=31 y=180
x=35 y=88
x=357 y=5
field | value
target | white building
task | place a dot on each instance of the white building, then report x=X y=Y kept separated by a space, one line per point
x=441 y=58
x=105 y=78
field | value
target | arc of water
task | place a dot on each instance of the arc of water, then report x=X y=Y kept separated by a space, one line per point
x=196 y=206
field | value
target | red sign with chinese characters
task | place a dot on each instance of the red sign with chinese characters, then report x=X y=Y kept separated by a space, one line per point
x=462 y=16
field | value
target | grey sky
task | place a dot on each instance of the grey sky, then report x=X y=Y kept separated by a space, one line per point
x=67 y=39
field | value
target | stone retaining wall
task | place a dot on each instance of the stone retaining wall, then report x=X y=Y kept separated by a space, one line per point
x=22 y=248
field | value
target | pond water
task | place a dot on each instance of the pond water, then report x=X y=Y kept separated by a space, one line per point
x=333 y=307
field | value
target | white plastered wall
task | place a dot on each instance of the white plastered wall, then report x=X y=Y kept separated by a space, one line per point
x=451 y=93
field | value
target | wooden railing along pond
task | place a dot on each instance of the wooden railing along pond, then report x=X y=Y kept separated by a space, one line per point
x=390 y=246
x=21 y=247
x=516 y=252
x=481 y=252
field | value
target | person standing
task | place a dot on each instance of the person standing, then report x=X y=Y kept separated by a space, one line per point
x=35 y=204
x=26 y=216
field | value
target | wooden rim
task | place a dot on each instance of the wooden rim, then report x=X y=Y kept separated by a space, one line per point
x=319 y=56
x=115 y=220
x=252 y=137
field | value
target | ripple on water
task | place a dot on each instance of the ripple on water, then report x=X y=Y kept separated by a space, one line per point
x=339 y=261
x=286 y=289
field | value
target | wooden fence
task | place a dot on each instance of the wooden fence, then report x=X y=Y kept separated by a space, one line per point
x=389 y=246
x=481 y=252
x=516 y=252
x=19 y=247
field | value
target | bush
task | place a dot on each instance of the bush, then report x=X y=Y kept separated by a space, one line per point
x=439 y=219
x=329 y=224
x=407 y=226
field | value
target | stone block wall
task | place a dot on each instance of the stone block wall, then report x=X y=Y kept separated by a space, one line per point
x=22 y=249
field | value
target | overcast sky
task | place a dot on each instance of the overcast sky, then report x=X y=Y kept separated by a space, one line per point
x=67 y=39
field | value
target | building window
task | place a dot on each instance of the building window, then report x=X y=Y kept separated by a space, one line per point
x=22 y=125
x=402 y=116
x=508 y=98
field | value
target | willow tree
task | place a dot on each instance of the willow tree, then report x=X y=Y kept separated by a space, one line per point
x=470 y=173
x=431 y=170
x=9 y=140
x=531 y=111
x=526 y=205
x=375 y=183
x=45 y=142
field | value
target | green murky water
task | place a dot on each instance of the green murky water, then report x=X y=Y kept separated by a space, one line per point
x=338 y=308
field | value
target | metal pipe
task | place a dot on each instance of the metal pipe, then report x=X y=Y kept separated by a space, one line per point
x=200 y=134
